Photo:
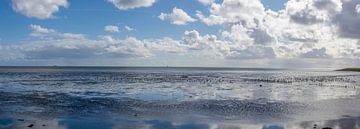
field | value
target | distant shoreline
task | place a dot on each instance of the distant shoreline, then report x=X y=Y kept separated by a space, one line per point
x=135 y=68
x=226 y=68
x=350 y=69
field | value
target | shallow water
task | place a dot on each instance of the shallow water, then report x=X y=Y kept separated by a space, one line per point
x=179 y=98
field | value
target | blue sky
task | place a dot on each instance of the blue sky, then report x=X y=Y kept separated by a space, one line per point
x=243 y=33
x=90 y=19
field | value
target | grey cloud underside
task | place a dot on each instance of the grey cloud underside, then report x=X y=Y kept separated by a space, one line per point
x=304 y=29
x=78 y=49
x=349 y=19
x=316 y=53
x=303 y=18
x=309 y=15
x=261 y=37
x=253 y=52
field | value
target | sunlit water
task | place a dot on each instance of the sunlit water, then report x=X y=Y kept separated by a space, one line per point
x=177 y=98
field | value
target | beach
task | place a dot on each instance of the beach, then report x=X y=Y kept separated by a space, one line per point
x=178 y=98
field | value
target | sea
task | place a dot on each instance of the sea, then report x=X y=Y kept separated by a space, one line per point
x=178 y=98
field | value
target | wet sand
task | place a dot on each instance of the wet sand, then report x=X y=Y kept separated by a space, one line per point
x=179 y=99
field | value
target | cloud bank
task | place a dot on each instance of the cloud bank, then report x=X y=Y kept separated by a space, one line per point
x=304 y=30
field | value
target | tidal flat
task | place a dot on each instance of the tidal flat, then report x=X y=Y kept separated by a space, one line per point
x=178 y=98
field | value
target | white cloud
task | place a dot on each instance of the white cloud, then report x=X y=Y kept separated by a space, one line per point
x=42 y=32
x=128 y=28
x=130 y=47
x=37 y=30
x=73 y=36
x=324 y=29
x=207 y=46
x=111 y=28
x=197 y=42
x=357 y=8
x=304 y=30
x=312 y=11
x=107 y=38
x=166 y=45
x=76 y=46
x=206 y=2
x=40 y=9
x=177 y=17
x=247 y=12
x=131 y=4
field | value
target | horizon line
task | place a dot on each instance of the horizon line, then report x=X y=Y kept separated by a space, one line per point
x=126 y=66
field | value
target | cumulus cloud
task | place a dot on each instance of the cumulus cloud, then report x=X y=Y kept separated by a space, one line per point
x=303 y=30
x=168 y=45
x=312 y=11
x=357 y=8
x=72 y=36
x=37 y=30
x=128 y=28
x=74 y=48
x=131 y=4
x=349 y=19
x=206 y=2
x=197 y=42
x=315 y=29
x=177 y=17
x=252 y=52
x=111 y=28
x=247 y=12
x=40 y=9
x=315 y=53
x=78 y=46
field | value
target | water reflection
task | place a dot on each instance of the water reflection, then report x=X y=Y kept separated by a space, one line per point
x=108 y=123
x=179 y=100
x=5 y=122
x=189 y=85
x=155 y=124
x=272 y=127
x=64 y=111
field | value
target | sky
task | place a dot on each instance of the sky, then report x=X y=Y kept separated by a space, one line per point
x=189 y=33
